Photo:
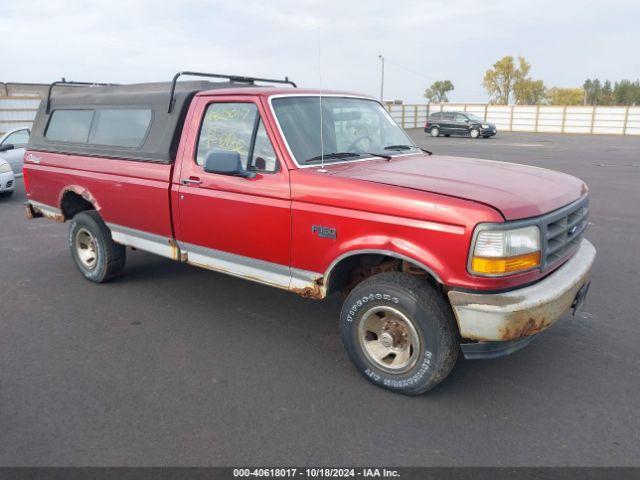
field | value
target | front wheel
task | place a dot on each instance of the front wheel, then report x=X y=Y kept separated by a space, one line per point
x=435 y=131
x=399 y=332
x=474 y=133
x=94 y=252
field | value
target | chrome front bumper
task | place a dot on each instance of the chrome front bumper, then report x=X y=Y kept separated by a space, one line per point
x=525 y=311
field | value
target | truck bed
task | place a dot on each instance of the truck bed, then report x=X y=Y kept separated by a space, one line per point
x=137 y=197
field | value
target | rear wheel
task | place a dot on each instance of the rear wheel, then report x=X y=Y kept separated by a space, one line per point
x=95 y=254
x=474 y=133
x=399 y=332
x=435 y=131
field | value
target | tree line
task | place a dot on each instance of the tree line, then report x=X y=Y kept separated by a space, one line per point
x=509 y=81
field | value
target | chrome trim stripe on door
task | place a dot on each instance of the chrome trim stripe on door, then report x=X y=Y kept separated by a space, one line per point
x=237 y=265
x=261 y=271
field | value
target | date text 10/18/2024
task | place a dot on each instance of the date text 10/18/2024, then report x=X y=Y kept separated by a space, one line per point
x=315 y=472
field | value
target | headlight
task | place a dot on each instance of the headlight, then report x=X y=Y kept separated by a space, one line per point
x=484 y=125
x=504 y=252
x=5 y=167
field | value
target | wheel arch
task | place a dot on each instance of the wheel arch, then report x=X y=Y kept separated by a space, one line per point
x=74 y=199
x=337 y=274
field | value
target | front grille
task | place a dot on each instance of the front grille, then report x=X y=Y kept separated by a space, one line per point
x=562 y=231
x=9 y=184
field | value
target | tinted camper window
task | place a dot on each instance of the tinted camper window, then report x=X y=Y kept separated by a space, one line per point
x=70 y=126
x=120 y=127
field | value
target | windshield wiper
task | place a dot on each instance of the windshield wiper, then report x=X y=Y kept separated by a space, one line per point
x=399 y=147
x=332 y=155
x=381 y=155
x=406 y=147
x=346 y=155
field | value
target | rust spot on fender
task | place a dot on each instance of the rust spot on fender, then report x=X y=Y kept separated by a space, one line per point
x=314 y=291
x=83 y=192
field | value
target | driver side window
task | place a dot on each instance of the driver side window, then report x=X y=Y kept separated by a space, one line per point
x=237 y=127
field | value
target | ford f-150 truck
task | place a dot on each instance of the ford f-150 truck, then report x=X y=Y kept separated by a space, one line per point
x=317 y=193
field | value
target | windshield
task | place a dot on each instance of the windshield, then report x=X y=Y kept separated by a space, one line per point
x=474 y=118
x=352 y=128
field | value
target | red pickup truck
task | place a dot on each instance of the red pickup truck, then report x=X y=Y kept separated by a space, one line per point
x=316 y=192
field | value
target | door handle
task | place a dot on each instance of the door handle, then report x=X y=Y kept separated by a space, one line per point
x=191 y=181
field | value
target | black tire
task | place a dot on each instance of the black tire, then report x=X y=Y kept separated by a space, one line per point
x=109 y=258
x=8 y=193
x=432 y=320
x=434 y=131
x=447 y=134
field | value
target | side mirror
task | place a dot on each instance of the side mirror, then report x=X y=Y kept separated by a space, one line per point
x=225 y=162
x=8 y=146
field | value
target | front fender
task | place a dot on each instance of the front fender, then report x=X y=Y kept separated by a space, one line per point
x=392 y=247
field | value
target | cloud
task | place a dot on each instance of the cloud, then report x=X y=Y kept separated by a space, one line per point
x=127 y=41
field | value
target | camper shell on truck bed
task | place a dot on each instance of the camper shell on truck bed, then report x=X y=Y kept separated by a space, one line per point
x=161 y=138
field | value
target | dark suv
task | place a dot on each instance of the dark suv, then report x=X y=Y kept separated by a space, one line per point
x=458 y=123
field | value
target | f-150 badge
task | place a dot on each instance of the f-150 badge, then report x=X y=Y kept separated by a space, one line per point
x=324 y=232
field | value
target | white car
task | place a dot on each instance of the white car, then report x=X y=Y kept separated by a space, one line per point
x=7 y=179
x=12 y=146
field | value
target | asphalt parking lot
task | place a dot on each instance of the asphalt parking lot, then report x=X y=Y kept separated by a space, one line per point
x=174 y=365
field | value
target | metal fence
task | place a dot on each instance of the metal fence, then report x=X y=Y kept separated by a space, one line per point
x=531 y=118
x=17 y=111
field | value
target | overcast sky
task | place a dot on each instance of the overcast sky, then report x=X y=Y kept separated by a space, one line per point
x=333 y=42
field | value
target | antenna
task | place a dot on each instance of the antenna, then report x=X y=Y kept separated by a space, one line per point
x=322 y=169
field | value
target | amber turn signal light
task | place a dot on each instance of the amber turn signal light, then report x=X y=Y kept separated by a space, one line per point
x=502 y=266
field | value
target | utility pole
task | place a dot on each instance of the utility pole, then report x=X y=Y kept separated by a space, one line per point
x=381 y=79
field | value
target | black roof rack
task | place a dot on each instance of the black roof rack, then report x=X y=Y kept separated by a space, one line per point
x=69 y=83
x=231 y=78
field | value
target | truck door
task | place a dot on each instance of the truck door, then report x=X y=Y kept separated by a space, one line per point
x=238 y=225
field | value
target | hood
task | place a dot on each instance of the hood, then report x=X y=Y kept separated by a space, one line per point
x=517 y=191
